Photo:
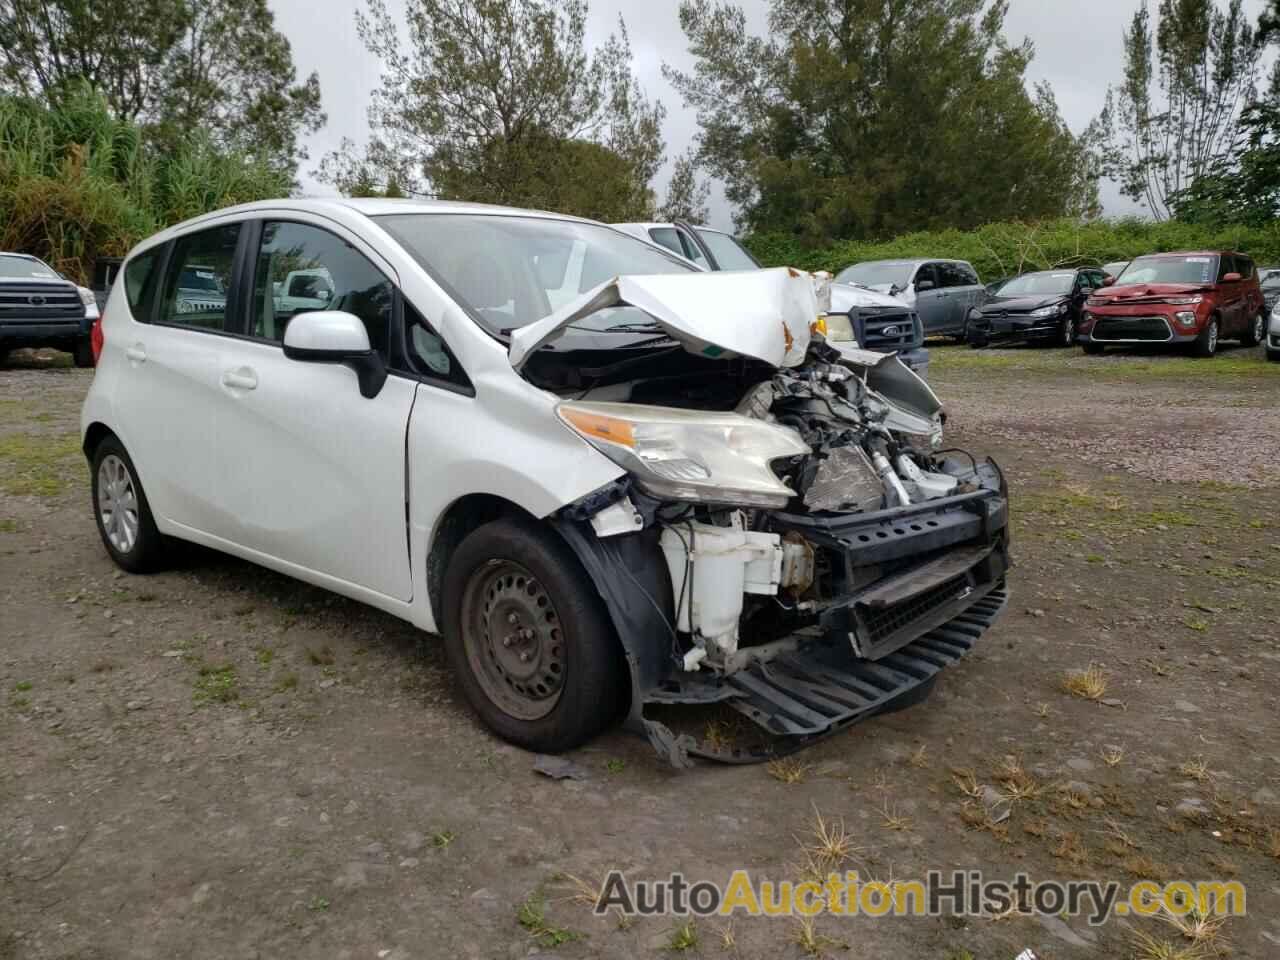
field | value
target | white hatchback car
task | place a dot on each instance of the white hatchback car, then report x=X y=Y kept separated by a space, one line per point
x=608 y=479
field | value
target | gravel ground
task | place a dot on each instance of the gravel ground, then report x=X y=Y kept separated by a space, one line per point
x=219 y=762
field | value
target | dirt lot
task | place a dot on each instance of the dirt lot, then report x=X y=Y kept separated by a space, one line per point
x=220 y=762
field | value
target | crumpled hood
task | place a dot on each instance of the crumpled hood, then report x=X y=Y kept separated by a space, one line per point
x=763 y=314
x=846 y=296
x=997 y=305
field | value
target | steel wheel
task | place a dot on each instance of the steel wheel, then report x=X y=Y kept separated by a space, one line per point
x=513 y=639
x=1069 y=332
x=117 y=503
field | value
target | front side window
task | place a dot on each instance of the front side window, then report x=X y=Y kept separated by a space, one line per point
x=198 y=277
x=669 y=238
x=509 y=271
x=301 y=268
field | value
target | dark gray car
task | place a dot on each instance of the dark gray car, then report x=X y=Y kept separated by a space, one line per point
x=942 y=292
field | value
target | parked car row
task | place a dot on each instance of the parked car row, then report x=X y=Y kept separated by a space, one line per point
x=1195 y=299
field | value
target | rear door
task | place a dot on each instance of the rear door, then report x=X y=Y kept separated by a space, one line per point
x=312 y=473
x=166 y=403
x=931 y=304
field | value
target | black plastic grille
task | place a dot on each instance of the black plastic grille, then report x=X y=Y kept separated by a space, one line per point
x=50 y=302
x=1155 y=329
x=878 y=329
x=886 y=621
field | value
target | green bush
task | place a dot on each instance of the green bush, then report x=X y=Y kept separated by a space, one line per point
x=1002 y=249
x=76 y=183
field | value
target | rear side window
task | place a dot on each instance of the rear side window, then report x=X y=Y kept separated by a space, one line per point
x=140 y=283
x=198 y=278
x=970 y=275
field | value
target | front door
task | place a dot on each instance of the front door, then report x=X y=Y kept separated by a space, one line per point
x=313 y=473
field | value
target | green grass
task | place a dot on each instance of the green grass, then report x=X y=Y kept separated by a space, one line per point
x=217 y=684
x=36 y=465
x=1119 y=367
x=532 y=915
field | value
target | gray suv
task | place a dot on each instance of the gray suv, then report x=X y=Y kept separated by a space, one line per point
x=942 y=292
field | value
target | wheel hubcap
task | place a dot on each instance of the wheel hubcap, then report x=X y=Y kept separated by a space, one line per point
x=513 y=639
x=117 y=503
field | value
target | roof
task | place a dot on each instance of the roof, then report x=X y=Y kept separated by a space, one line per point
x=1187 y=253
x=915 y=260
x=652 y=225
x=340 y=208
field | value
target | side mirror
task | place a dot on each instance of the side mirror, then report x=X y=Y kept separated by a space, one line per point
x=1108 y=280
x=923 y=285
x=335 y=336
x=1232 y=277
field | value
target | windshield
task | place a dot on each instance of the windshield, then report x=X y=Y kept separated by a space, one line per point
x=20 y=268
x=199 y=278
x=879 y=273
x=1193 y=269
x=727 y=251
x=511 y=270
x=1037 y=284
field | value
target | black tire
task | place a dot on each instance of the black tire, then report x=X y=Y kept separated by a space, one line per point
x=977 y=343
x=1257 y=331
x=576 y=683
x=1273 y=356
x=82 y=353
x=1067 y=335
x=1093 y=349
x=145 y=552
x=1206 y=344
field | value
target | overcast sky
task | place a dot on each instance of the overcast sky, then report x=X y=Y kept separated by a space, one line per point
x=1077 y=43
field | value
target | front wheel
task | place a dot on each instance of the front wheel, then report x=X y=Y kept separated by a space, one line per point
x=120 y=507
x=1067 y=335
x=1256 y=332
x=528 y=638
x=1206 y=345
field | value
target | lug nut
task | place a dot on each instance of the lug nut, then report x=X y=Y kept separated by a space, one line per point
x=512 y=619
x=524 y=656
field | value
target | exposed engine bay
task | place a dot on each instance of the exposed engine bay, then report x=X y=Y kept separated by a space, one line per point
x=819 y=554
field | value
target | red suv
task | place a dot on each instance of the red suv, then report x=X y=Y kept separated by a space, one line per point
x=1193 y=298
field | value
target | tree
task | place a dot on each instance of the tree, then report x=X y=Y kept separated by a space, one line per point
x=686 y=196
x=1176 y=117
x=217 y=68
x=499 y=101
x=860 y=118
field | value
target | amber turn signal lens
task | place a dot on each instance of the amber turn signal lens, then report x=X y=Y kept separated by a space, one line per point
x=598 y=425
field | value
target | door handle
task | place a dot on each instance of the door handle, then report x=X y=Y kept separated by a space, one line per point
x=136 y=353
x=241 y=379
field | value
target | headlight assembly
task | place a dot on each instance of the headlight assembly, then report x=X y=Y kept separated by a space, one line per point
x=1054 y=310
x=694 y=455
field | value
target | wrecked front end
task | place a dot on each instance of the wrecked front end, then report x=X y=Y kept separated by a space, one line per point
x=790 y=541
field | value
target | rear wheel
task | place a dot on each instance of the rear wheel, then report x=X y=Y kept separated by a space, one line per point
x=1206 y=345
x=1256 y=332
x=529 y=639
x=120 y=507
